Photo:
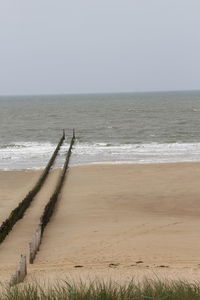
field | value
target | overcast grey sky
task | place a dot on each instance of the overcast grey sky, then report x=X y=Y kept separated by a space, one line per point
x=83 y=46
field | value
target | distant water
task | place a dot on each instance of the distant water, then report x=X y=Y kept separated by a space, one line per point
x=138 y=127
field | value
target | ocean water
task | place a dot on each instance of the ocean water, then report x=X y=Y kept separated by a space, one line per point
x=132 y=127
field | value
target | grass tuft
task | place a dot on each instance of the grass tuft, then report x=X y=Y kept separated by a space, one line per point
x=98 y=290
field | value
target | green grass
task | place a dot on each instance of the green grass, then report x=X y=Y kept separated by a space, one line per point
x=155 y=290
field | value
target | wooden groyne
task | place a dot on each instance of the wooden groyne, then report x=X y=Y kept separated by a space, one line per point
x=49 y=208
x=19 y=211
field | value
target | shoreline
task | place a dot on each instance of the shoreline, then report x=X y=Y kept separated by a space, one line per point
x=103 y=163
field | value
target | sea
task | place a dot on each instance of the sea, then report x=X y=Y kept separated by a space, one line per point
x=153 y=127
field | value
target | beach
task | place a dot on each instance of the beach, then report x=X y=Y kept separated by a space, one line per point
x=117 y=221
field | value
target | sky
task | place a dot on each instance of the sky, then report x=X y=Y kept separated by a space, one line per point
x=91 y=46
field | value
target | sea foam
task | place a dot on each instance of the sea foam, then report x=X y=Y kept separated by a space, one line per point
x=35 y=155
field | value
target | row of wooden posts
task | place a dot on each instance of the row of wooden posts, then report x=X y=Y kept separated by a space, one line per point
x=34 y=245
x=49 y=208
x=19 y=211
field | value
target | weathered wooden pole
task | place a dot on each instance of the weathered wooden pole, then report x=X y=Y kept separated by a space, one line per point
x=20 y=273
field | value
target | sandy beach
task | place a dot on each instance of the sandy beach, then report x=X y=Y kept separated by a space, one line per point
x=112 y=220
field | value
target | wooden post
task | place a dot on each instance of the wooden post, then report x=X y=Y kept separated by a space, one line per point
x=20 y=273
x=35 y=244
x=73 y=133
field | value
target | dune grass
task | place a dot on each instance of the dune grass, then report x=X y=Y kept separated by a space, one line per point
x=155 y=290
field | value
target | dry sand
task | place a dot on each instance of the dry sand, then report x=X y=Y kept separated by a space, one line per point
x=109 y=218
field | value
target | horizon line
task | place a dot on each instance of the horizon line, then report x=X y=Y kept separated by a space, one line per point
x=98 y=93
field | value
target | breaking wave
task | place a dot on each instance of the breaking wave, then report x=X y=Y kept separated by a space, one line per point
x=31 y=155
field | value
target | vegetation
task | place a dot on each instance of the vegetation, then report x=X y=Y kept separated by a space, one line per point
x=155 y=290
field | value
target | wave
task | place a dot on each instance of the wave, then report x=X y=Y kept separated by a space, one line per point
x=26 y=155
x=195 y=110
x=31 y=155
x=137 y=153
x=12 y=146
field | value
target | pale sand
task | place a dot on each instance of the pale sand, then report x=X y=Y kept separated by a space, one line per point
x=112 y=214
x=14 y=186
